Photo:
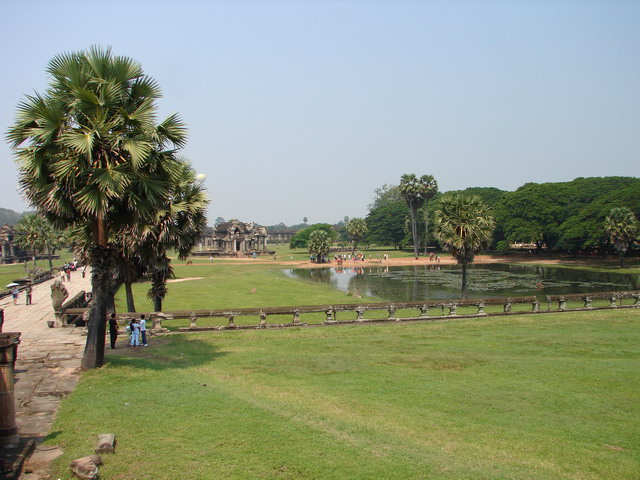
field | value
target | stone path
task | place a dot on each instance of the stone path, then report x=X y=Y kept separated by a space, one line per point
x=47 y=367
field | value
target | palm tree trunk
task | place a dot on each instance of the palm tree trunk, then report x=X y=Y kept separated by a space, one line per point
x=464 y=280
x=50 y=260
x=131 y=306
x=414 y=232
x=101 y=272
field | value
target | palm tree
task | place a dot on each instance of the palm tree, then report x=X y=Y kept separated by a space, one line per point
x=463 y=225
x=622 y=227
x=28 y=234
x=357 y=229
x=319 y=244
x=90 y=154
x=179 y=226
x=416 y=192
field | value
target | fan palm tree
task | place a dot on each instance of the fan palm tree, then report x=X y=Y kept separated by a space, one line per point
x=357 y=229
x=416 y=192
x=91 y=155
x=622 y=227
x=463 y=225
x=179 y=226
x=28 y=234
x=319 y=244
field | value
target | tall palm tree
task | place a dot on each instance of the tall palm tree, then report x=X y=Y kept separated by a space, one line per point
x=416 y=192
x=463 y=225
x=357 y=229
x=178 y=226
x=622 y=227
x=83 y=146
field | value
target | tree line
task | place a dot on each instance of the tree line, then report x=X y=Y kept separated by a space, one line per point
x=556 y=217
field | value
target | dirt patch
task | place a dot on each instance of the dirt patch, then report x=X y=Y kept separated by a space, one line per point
x=176 y=280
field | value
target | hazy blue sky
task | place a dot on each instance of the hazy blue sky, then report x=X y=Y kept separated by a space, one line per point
x=303 y=108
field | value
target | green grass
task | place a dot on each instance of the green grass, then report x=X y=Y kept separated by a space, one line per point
x=13 y=271
x=529 y=397
x=226 y=286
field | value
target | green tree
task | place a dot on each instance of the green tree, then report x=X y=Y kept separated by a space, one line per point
x=91 y=155
x=301 y=239
x=463 y=225
x=319 y=245
x=357 y=229
x=386 y=224
x=416 y=192
x=28 y=234
x=622 y=227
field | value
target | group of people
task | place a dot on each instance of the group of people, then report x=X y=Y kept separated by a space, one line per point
x=136 y=331
x=15 y=293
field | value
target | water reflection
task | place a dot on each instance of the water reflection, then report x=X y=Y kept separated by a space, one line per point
x=434 y=282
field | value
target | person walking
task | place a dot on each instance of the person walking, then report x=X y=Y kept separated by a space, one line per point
x=113 y=330
x=143 y=330
x=14 y=294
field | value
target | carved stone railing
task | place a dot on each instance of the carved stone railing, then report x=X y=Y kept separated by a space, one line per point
x=424 y=311
x=73 y=311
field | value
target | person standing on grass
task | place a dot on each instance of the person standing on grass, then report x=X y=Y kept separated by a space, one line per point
x=135 y=333
x=113 y=330
x=143 y=330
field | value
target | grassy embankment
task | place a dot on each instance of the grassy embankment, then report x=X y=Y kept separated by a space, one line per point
x=546 y=397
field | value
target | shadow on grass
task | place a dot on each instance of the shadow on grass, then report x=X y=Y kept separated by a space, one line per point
x=171 y=352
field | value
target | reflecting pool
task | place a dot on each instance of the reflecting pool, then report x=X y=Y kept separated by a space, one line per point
x=434 y=282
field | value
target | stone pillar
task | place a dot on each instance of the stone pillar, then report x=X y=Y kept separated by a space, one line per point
x=360 y=312
x=392 y=312
x=562 y=304
x=535 y=306
x=296 y=316
x=480 y=309
x=263 y=320
x=330 y=316
x=507 y=306
x=8 y=353
x=193 y=321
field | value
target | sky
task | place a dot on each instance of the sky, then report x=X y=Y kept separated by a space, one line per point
x=303 y=108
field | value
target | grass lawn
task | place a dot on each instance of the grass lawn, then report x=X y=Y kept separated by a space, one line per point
x=12 y=271
x=225 y=286
x=529 y=397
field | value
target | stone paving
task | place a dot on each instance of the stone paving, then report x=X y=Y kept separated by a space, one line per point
x=47 y=367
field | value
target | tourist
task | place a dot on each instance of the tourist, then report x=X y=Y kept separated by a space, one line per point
x=134 y=326
x=67 y=271
x=14 y=293
x=1 y=318
x=27 y=291
x=113 y=330
x=143 y=330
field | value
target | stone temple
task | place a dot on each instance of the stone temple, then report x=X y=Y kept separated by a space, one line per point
x=234 y=238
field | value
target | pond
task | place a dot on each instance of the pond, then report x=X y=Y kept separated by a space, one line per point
x=431 y=282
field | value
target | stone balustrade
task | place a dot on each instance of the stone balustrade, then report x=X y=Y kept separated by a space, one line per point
x=411 y=311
